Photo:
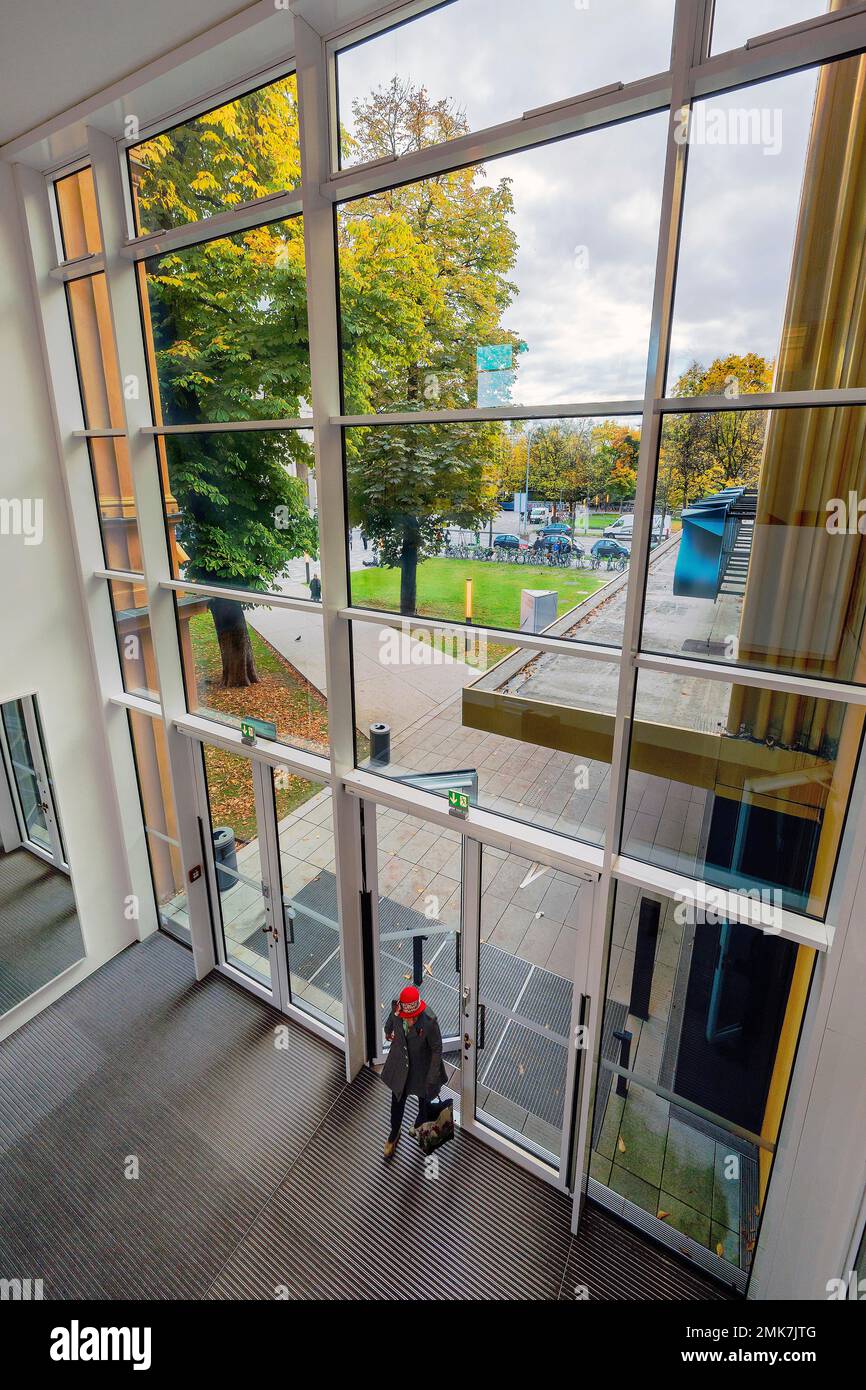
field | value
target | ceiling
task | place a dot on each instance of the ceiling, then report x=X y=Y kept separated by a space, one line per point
x=55 y=56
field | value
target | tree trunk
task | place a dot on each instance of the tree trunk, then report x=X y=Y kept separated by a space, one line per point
x=409 y=569
x=239 y=667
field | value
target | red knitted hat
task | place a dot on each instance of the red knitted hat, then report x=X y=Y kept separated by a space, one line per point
x=411 y=1003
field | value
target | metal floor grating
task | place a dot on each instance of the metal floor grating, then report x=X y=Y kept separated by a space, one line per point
x=259 y=1167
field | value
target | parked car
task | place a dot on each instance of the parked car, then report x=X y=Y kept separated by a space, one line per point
x=608 y=549
x=623 y=528
x=538 y=515
x=556 y=528
x=509 y=542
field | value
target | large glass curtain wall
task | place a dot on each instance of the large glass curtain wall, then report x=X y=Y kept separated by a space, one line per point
x=587 y=532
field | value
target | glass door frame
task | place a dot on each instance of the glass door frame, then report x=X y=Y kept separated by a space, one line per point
x=376 y=1044
x=570 y=1177
x=279 y=993
x=55 y=853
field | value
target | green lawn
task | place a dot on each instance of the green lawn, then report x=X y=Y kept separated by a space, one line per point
x=496 y=589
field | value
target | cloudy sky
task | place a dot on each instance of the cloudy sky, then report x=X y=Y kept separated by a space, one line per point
x=587 y=209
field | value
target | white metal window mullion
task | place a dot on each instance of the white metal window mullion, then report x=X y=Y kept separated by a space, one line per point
x=323 y=320
x=690 y=28
x=64 y=397
x=689 y=25
x=122 y=288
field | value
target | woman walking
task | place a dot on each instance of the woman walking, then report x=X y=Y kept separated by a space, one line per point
x=414 y=1065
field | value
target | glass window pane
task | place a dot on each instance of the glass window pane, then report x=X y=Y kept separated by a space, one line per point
x=305 y=830
x=246 y=661
x=240 y=509
x=441 y=526
x=764 y=566
x=134 y=644
x=77 y=213
x=524 y=281
x=225 y=324
x=527 y=953
x=23 y=768
x=160 y=822
x=767 y=285
x=115 y=499
x=95 y=353
x=704 y=1015
x=524 y=733
x=745 y=788
x=419 y=878
x=240 y=151
x=736 y=21
x=239 y=872
x=468 y=65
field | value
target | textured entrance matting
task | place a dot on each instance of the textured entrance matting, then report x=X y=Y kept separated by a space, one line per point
x=258 y=1168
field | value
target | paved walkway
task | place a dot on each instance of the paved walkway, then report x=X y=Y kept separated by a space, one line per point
x=397 y=694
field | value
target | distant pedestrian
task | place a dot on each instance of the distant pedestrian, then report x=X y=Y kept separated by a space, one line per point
x=364 y=540
x=414 y=1066
x=315 y=588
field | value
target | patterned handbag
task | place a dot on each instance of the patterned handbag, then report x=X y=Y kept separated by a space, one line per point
x=433 y=1133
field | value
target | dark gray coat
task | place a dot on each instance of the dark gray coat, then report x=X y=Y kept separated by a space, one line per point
x=416 y=1058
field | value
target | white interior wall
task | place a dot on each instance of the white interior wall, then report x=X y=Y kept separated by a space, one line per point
x=42 y=628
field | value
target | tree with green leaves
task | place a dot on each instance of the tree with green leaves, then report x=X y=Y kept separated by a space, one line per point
x=228 y=326
x=423 y=287
x=705 y=451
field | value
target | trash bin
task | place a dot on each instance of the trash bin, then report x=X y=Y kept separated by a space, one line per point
x=225 y=853
x=380 y=743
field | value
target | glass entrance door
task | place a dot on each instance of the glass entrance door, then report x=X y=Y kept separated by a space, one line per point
x=30 y=780
x=527 y=930
x=498 y=947
x=414 y=875
x=270 y=840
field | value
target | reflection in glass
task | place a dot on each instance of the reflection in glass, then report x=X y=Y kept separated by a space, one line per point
x=242 y=150
x=77 y=214
x=226 y=327
x=134 y=641
x=24 y=774
x=742 y=787
x=765 y=563
x=704 y=1015
x=305 y=832
x=238 y=861
x=281 y=654
x=526 y=734
x=470 y=65
x=40 y=935
x=444 y=529
x=525 y=280
x=160 y=823
x=95 y=353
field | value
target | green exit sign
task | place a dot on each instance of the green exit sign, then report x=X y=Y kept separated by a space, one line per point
x=458 y=802
x=251 y=729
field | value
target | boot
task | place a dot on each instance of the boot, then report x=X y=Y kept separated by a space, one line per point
x=390 y=1146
